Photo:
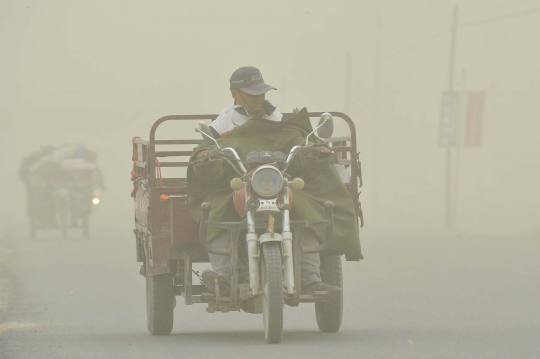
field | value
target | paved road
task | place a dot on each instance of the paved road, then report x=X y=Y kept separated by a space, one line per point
x=413 y=297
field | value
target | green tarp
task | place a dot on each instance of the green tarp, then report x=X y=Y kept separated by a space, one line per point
x=208 y=181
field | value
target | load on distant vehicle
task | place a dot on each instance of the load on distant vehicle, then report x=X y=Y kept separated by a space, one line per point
x=62 y=185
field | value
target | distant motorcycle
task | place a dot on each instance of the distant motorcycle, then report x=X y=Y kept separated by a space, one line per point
x=61 y=206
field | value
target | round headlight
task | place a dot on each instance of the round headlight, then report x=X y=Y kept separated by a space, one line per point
x=267 y=181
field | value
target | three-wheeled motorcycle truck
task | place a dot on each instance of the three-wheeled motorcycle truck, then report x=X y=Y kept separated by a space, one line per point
x=61 y=195
x=169 y=241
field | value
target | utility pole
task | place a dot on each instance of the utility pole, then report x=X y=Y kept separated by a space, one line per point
x=4 y=213
x=459 y=142
x=448 y=179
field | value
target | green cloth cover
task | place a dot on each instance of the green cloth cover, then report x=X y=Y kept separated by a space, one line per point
x=208 y=181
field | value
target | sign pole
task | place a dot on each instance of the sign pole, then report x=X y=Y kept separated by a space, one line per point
x=448 y=171
x=459 y=142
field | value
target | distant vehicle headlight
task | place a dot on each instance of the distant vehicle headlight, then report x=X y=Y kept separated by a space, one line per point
x=267 y=181
x=95 y=201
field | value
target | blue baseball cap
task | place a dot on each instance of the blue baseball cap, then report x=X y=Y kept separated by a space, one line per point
x=249 y=79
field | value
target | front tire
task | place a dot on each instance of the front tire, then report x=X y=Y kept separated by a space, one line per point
x=330 y=312
x=272 y=285
x=159 y=303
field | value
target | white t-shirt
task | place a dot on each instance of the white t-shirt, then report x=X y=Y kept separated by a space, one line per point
x=235 y=115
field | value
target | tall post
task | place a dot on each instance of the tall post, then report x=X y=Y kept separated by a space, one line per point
x=5 y=220
x=448 y=179
x=461 y=119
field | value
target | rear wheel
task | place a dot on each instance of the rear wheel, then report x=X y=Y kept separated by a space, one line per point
x=159 y=303
x=330 y=312
x=272 y=285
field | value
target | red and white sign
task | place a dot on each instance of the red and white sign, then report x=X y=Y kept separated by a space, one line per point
x=474 y=119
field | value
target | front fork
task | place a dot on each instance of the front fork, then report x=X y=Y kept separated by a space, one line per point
x=252 y=240
x=287 y=251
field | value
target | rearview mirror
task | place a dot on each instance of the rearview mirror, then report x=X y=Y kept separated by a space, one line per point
x=206 y=133
x=326 y=124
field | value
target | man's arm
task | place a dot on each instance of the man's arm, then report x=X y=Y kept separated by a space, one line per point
x=202 y=154
x=207 y=168
x=310 y=161
x=317 y=152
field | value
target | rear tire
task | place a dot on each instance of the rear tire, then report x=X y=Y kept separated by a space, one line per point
x=330 y=312
x=159 y=303
x=272 y=285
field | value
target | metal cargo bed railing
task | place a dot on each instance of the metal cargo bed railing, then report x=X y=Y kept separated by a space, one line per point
x=344 y=147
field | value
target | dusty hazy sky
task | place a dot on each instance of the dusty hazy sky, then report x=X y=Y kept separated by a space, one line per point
x=100 y=72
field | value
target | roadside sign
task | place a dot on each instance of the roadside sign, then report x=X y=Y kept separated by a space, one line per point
x=474 y=120
x=449 y=119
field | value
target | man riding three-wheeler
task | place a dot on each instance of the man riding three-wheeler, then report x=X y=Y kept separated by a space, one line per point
x=253 y=123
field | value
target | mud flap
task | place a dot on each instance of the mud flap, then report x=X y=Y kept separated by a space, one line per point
x=158 y=255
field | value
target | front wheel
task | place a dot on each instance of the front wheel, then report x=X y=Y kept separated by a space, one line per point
x=159 y=303
x=272 y=285
x=330 y=311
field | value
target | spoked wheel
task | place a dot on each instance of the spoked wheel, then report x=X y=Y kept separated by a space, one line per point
x=330 y=312
x=159 y=303
x=272 y=285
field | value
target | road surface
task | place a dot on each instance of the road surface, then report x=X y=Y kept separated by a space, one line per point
x=414 y=296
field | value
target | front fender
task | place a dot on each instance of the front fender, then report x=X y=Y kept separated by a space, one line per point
x=270 y=237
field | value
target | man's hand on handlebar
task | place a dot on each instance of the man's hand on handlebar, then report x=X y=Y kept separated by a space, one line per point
x=207 y=155
x=317 y=152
